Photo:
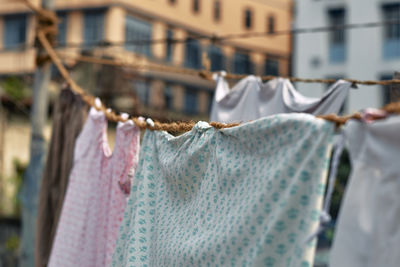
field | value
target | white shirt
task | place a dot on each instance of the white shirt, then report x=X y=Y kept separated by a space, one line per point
x=251 y=99
x=368 y=230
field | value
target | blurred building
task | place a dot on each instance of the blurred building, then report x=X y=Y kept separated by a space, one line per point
x=364 y=53
x=106 y=27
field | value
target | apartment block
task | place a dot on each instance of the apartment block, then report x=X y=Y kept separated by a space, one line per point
x=363 y=53
x=110 y=28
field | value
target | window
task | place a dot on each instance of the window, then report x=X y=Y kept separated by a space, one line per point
x=168 y=97
x=170 y=46
x=141 y=89
x=138 y=30
x=391 y=43
x=196 y=6
x=271 y=67
x=216 y=57
x=93 y=27
x=193 y=54
x=242 y=63
x=15 y=31
x=386 y=90
x=62 y=28
x=248 y=19
x=217 y=10
x=337 y=37
x=271 y=24
x=190 y=101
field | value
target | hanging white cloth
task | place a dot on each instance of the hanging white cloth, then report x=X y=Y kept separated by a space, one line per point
x=368 y=230
x=250 y=99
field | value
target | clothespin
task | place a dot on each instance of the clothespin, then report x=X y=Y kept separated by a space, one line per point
x=150 y=122
x=214 y=39
x=97 y=103
x=206 y=61
x=124 y=115
x=371 y=114
x=215 y=76
x=206 y=73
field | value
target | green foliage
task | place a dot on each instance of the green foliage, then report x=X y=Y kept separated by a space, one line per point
x=17 y=182
x=12 y=243
x=326 y=238
x=14 y=88
x=341 y=181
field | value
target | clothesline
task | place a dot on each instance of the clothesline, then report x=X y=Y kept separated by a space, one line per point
x=215 y=39
x=220 y=38
x=44 y=28
x=51 y=16
x=207 y=74
x=173 y=126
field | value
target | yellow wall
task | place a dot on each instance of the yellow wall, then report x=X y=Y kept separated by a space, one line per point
x=181 y=19
x=182 y=16
x=232 y=21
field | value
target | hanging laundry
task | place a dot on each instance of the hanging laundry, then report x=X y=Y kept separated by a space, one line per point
x=68 y=118
x=94 y=202
x=250 y=99
x=368 y=229
x=244 y=196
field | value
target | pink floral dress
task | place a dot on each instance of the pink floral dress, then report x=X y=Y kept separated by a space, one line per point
x=96 y=195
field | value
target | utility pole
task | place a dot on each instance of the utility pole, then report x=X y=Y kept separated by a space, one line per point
x=33 y=174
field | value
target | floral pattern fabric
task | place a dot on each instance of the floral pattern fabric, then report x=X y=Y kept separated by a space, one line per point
x=94 y=204
x=244 y=196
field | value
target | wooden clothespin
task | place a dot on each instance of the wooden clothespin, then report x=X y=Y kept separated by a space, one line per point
x=206 y=73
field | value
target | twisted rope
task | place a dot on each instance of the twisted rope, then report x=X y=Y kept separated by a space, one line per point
x=174 y=126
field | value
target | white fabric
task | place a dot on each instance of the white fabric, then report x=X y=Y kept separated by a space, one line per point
x=368 y=231
x=243 y=196
x=250 y=99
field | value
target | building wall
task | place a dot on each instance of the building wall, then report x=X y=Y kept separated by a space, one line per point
x=19 y=60
x=183 y=22
x=16 y=147
x=364 y=56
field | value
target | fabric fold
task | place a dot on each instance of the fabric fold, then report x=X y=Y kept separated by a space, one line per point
x=368 y=230
x=94 y=202
x=243 y=196
x=251 y=99
x=68 y=119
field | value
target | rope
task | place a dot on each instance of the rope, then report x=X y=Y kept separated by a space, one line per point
x=218 y=38
x=214 y=39
x=207 y=74
x=185 y=126
x=39 y=11
x=111 y=115
x=295 y=79
x=174 y=126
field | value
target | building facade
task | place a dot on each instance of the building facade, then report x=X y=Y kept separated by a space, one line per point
x=108 y=28
x=363 y=53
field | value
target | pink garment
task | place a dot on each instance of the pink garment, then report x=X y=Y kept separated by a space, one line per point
x=94 y=203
